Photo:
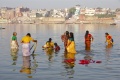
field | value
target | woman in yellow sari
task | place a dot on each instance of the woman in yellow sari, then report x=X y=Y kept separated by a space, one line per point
x=71 y=51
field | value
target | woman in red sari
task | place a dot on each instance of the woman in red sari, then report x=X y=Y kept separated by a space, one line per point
x=88 y=39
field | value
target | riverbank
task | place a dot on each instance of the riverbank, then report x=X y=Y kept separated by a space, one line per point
x=50 y=20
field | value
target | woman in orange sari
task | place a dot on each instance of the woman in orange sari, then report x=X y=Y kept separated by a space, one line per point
x=88 y=39
x=109 y=40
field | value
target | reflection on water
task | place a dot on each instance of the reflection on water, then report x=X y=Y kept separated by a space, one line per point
x=68 y=63
x=45 y=65
x=49 y=52
x=14 y=55
x=108 y=52
x=26 y=67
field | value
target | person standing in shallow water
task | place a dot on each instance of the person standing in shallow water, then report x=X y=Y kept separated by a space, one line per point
x=26 y=44
x=65 y=38
x=109 y=40
x=71 y=48
x=88 y=39
x=14 y=43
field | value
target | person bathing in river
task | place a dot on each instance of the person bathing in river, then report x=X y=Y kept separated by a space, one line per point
x=109 y=39
x=57 y=48
x=64 y=39
x=88 y=39
x=49 y=44
x=14 y=43
x=71 y=44
x=26 y=44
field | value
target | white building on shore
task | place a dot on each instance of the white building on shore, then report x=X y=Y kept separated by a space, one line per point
x=89 y=11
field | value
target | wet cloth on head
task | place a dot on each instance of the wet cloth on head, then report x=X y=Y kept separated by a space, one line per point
x=26 y=49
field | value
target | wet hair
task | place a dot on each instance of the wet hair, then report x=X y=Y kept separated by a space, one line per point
x=28 y=34
x=14 y=33
x=50 y=39
x=71 y=35
x=55 y=44
x=87 y=32
x=106 y=33
x=67 y=34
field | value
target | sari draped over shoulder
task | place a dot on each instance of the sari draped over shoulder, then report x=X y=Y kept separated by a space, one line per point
x=71 y=46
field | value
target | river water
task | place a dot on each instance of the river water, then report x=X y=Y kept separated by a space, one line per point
x=56 y=69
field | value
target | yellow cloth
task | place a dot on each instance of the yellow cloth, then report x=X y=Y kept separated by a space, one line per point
x=26 y=39
x=71 y=47
x=50 y=44
x=109 y=39
x=70 y=56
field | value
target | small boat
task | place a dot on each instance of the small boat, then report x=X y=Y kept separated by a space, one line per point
x=2 y=28
x=113 y=24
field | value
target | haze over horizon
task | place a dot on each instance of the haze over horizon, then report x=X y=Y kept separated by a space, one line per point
x=60 y=4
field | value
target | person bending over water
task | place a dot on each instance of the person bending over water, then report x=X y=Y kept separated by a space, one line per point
x=26 y=44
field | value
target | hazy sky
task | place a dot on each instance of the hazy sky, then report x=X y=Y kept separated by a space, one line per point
x=50 y=4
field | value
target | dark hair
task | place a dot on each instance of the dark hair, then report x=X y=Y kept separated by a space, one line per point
x=55 y=44
x=106 y=33
x=87 y=32
x=67 y=34
x=50 y=39
x=28 y=34
x=71 y=35
x=14 y=33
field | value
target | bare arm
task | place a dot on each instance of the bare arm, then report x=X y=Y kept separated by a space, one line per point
x=92 y=38
x=34 y=41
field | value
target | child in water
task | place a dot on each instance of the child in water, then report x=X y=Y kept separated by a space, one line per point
x=57 y=48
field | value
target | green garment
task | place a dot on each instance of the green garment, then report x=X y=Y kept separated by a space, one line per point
x=14 y=38
x=71 y=39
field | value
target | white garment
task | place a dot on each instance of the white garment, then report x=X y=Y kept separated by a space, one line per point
x=14 y=45
x=26 y=49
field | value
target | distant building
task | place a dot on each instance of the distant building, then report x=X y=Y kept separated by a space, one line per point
x=90 y=12
x=32 y=15
x=19 y=11
x=77 y=12
x=10 y=14
x=118 y=15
